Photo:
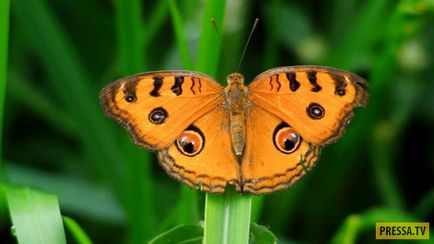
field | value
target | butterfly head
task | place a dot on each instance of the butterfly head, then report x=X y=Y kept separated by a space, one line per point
x=235 y=78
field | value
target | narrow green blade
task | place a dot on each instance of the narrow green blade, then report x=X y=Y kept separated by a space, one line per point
x=130 y=34
x=4 y=35
x=76 y=231
x=35 y=216
x=181 y=39
x=209 y=42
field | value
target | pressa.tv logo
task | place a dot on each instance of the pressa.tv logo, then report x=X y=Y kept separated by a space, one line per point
x=402 y=230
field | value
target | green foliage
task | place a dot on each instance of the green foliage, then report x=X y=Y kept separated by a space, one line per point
x=61 y=54
x=209 y=43
x=77 y=232
x=4 y=37
x=35 y=216
x=261 y=235
x=181 y=40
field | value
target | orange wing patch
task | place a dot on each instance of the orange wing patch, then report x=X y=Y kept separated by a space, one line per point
x=264 y=167
x=316 y=101
x=214 y=165
x=156 y=107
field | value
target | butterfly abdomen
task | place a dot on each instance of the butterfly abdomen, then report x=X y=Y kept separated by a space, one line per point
x=236 y=98
x=238 y=132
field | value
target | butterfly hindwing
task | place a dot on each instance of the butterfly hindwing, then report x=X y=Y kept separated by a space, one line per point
x=211 y=163
x=316 y=101
x=267 y=165
x=155 y=107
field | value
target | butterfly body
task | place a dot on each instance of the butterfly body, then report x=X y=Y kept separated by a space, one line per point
x=236 y=105
x=259 y=138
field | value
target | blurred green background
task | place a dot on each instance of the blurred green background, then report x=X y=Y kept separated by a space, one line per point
x=56 y=138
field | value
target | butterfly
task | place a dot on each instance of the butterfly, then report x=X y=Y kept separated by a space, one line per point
x=259 y=138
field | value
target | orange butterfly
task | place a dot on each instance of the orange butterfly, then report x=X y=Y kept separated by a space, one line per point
x=259 y=138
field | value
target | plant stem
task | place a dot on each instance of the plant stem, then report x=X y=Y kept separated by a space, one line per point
x=227 y=218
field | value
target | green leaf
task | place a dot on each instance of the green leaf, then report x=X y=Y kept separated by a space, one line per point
x=4 y=36
x=96 y=202
x=35 y=215
x=261 y=235
x=77 y=232
x=180 y=234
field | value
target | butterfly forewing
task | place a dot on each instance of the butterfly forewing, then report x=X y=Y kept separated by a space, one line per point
x=316 y=101
x=156 y=107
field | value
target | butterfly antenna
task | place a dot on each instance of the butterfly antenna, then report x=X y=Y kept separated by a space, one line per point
x=247 y=43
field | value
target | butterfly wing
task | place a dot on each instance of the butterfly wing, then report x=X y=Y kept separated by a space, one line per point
x=156 y=107
x=214 y=165
x=159 y=108
x=266 y=166
x=316 y=101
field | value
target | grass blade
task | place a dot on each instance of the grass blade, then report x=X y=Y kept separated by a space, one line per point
x=271 y=43
x=35 y=215
x=209 y=42
x=153 y=23
x=4 y=36
x=181 y=40
x=77 y=232
x=130 y=34
x=96 y=202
